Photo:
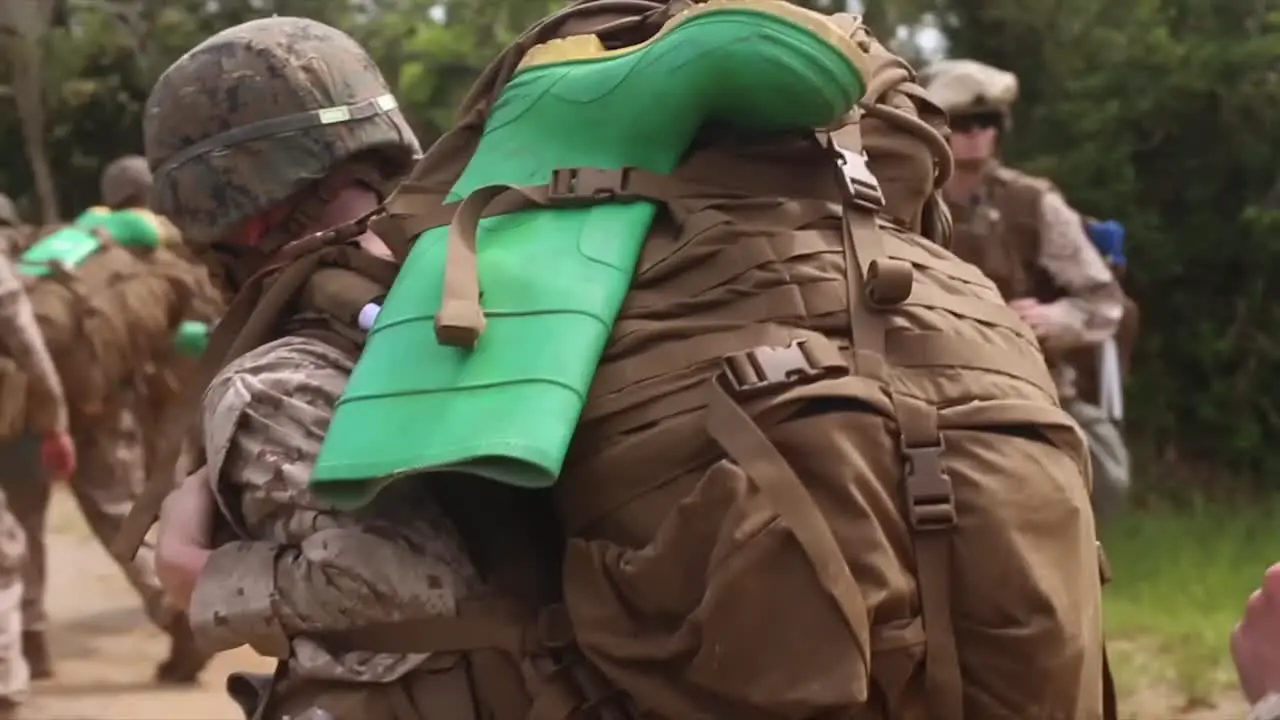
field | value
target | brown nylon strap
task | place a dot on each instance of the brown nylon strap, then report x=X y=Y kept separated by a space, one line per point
x=932 y=514
x=1110 y=701
x=460 y=320
x=478 y=625
x=949 y=266
x=554 y=701
x=699 y=350
x=248 y=314
x=864 y=249
x=653 y=377
x=985 y=311
x=250 y=320
x=943 y=350
x=414 y=210
x=268 y=701
x=446 y=704
x=750 y=251
x=743 y=441
x=786 y=303
x=1104 y=566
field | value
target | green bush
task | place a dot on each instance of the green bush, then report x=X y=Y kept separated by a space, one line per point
x=1156 y=113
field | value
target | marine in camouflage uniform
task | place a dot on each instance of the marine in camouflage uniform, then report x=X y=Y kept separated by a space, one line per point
x=111 y=472
x=298 y=566
x=25 y=346
x=126 y=183
x=1021 y=232
x=10 y=227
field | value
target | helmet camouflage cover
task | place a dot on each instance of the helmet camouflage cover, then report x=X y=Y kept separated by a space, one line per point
x=968 y=87
x=125 y=181
x=8 y=212
x=260 y=111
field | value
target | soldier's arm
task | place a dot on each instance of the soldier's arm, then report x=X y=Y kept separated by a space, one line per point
x=308 y=566
x=19 y=329
x=1091 y=310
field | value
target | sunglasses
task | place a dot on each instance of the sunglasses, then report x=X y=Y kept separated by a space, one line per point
x=976 y=121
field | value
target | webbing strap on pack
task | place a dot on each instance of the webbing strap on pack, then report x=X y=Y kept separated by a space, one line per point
x=741 y=438
x=570 y=688
x=876 y=283
x=1110 y=702
x=931 y=509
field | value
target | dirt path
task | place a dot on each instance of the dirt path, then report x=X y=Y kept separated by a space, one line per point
x=106 y=651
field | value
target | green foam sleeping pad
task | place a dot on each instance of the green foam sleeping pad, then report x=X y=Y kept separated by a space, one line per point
x=67 y=248
x=554 y=279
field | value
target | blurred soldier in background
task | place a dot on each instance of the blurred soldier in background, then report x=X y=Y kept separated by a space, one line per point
x=1022 y=233
x=126 y=183
x=113 y=471
x=37 y=443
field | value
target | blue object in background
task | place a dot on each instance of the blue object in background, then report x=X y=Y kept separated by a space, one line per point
x=1108 y=237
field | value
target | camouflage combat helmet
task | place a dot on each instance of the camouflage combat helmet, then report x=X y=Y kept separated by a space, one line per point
x=260 y=111
x=126 y=182
x=8 y=212
x=968 y=87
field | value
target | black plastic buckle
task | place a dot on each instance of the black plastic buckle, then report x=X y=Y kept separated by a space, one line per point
x=768 y=368
x=931 y=501
x=554 y=627
x=861 y=186
x=578 y=187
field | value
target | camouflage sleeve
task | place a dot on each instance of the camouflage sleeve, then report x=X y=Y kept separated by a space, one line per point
x=1091 y=310
x=309 y=567
x=26 y=344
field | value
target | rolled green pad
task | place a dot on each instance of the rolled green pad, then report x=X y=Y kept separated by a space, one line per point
x=70 y=246
x=554 y=279
x=191 y=338
x=133 y=228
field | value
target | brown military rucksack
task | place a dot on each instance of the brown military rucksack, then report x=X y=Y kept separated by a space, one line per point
x=109 y=324
x=823 y=471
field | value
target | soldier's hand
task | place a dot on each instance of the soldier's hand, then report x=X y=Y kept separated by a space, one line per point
x=1038 y=316
x=185 y=537
x=58 y=455
x=1255 y=642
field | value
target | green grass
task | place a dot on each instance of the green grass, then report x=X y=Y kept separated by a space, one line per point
x=1181 y=578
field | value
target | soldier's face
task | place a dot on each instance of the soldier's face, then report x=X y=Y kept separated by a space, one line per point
x=973 y=138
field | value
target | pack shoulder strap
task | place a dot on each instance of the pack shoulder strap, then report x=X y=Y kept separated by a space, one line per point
x=461 y=320
x=876 y=283
x=250 y=321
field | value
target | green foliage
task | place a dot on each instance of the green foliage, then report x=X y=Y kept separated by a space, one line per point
x=1181 y=577
x=1154 y=112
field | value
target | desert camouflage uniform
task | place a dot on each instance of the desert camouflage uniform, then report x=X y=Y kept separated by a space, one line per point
x=298 y=566
x=1089 y=312
x=10 y=227
x=111 y=471
x=1088 y=304
x=8 y=212
x=310 y=567
x=24 y=345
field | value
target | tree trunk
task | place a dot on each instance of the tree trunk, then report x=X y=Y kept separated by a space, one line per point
x=28 y=87
x=24 y=23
